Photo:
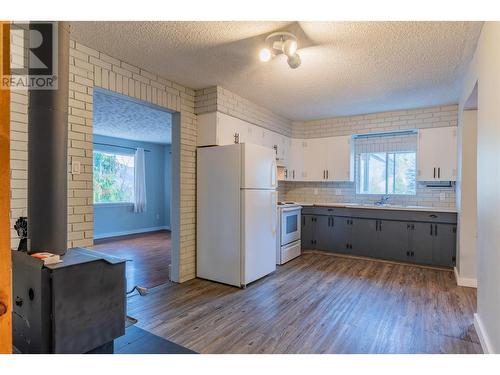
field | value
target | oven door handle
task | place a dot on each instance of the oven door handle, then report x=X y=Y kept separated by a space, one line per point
x=294 y=208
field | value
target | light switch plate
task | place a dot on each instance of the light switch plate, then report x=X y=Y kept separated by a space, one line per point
x=75 y=167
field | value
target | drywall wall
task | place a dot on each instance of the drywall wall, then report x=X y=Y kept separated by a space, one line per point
x=120 y=219
x=485 y=72
x=467 y=199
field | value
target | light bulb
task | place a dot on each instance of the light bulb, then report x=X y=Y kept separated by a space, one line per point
x=294 y=61
x=290 y=47
x=265 y=55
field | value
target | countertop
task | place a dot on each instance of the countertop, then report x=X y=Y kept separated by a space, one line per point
x=381 y=207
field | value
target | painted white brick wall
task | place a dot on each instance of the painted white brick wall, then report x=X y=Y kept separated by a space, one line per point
x=217 y=98
x=88 y=69
x=19 y=142
x=321 y=192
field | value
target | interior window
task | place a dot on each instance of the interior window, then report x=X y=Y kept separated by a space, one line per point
x=113 y=177
x=386 y=173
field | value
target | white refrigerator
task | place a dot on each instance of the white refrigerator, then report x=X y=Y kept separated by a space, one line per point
x=236 y=213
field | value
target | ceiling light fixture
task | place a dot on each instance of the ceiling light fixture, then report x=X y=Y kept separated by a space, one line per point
x=281 y=42
x=265 y=55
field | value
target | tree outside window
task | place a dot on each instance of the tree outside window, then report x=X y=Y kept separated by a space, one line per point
x=113 y=177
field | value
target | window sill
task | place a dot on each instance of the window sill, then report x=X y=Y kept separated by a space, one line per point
x=114 y=204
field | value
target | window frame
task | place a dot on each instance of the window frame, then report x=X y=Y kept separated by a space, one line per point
x=105 y=150
x=387 y=166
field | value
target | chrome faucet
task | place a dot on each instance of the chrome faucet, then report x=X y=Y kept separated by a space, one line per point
x=383 y=200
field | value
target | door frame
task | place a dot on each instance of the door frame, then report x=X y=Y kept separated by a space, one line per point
x=5 y=254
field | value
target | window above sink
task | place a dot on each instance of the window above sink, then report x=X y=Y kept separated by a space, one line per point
x=386 y=173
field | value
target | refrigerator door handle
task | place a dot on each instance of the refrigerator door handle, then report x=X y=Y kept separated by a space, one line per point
x=273 y=173
x=274 y=208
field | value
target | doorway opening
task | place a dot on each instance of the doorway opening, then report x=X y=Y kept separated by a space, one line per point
x=132 y=185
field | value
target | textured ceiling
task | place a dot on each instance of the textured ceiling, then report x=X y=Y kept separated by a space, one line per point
x=121 y=117
x=347 y=67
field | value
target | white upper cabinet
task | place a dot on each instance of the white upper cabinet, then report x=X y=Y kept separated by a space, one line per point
x=437 y=154
x=339 y=159
x=294 y=169
x=328 y=159
x=314 y=159
x=219 y=129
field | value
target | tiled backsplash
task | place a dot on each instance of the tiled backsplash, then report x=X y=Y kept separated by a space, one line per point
x=343 y=192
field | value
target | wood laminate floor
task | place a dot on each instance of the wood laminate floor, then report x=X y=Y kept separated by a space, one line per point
x=317 y=303
x=148 y=256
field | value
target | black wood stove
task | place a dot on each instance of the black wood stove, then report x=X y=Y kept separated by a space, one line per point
x=76 y=306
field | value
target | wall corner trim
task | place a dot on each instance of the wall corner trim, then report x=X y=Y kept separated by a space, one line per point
x=483 y=337
x=464 y=281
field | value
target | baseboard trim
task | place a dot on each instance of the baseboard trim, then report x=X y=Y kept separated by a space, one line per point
x=464 y=281
x=481 y=333
x=127 y=232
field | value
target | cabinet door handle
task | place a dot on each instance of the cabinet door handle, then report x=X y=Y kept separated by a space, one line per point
x=434 y=172
x=412 y=254
x=293 y=174
x=376 y=225
x=431 y=229
x=380 y=225
x=439 y=172
x=327 y=174
x=333 y=221
x=407 y=253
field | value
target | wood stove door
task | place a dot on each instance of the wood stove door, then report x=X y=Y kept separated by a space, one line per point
x=5 y=261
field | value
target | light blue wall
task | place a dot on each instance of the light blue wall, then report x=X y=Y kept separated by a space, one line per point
x=167 y=181
x=112 y=220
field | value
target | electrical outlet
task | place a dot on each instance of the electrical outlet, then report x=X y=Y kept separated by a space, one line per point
x=442 y=196
x=75 y=167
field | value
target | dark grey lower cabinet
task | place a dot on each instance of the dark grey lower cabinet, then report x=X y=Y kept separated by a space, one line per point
x=421 y=243
x=364 y=237
x=393 y=239
x=444 y=245
x=397 y=239
x=341 y=235
x=323 y=232
x=307 y=231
